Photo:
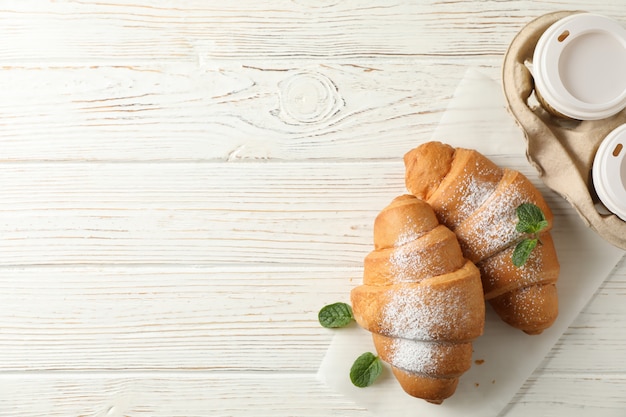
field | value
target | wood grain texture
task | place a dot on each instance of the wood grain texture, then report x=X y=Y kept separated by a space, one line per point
x=190 y=395
x=183 y=184
x=315 y=213
x=175 y=395
x=578 y=395
x=154 y=318
x=223 y=111
x=216 y=319
x=83 y=31
x=301 y=213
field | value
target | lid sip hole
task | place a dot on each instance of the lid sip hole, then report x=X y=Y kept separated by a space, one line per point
x=563 y=36
x=618 y=149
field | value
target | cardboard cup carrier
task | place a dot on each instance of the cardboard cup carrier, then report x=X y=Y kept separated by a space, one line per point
x=564 y=80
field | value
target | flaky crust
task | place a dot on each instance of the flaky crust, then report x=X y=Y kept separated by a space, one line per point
x=428 y=255
x=421 y=299
x=430 y=175
x=477 y=200
x=437 y=295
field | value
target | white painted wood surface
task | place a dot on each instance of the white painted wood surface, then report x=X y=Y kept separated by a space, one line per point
x=185 y=183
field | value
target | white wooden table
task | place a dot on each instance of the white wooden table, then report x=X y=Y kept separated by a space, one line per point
x=183 y=184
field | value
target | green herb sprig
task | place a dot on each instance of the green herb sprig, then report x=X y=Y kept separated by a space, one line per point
x=335 y=315
x=531 y=221
x=365 y=370
x=367 y=367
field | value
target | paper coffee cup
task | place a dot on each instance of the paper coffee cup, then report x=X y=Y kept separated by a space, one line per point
x=579 y=67
x=609 y=172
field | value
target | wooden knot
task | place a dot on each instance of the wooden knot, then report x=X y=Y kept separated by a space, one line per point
x=308 y=97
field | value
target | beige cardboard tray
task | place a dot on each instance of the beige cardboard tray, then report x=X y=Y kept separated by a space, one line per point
x=561 y=150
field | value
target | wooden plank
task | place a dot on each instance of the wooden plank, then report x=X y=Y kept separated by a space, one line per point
x=198 y=213
x=275 y=394
x=575 y=395
x=189 y=395
x=315 y=213
x=155 y=318
x=202 y=30
x=223 y=110
x=236 y=318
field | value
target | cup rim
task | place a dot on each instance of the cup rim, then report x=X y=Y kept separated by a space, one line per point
x=546 y=66
x=606 y=172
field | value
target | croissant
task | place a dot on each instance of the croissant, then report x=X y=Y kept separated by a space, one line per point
x=422 y=301
x=477 y=200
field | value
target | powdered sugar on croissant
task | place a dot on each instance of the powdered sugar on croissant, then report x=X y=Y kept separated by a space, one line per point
x=477 y=200
x=421 y=299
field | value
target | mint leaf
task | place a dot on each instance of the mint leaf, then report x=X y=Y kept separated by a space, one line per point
x=522 y=251
x=531 y=219
x=365 y=369
x=335 y=315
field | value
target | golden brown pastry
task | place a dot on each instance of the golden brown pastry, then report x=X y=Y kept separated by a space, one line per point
x=477 y=200
x=421 y=299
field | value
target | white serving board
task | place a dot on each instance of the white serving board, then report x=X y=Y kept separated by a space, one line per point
x=477 y=118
